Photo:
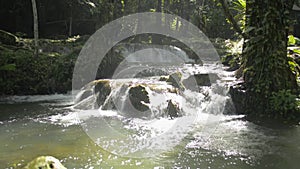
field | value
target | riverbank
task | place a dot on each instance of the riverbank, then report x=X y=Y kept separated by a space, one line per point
x=22 y=73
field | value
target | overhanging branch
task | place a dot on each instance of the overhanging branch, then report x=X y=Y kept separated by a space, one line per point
x=231 y=19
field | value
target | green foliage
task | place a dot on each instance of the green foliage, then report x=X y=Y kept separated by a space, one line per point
x=291 y=40
x=286 y=103
x=231 y=52
x=8 y=67
x=22 y=73
x=213 y=20
x=240 y=7
x=269 y=80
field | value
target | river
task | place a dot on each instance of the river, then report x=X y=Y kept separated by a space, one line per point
x=31 y=126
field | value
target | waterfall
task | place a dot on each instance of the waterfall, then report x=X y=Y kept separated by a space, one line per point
x=150 y=53
x=154 y=100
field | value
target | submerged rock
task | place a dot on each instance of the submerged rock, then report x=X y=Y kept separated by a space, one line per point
x=45 y=162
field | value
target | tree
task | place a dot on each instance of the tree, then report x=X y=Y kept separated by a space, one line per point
x=270 y=83
x=35 y=27
x=230 y=17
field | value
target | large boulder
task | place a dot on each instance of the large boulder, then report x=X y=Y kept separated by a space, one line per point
x=102 y=90
x=45 y=162
x=173 y=79
x=138 y=96
x=194 y=81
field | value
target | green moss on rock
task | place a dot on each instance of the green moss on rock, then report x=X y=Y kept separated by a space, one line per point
x=45 y=162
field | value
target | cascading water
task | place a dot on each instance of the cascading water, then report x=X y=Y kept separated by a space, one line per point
x=139 y=124
x=129 y=119
x=151 y=53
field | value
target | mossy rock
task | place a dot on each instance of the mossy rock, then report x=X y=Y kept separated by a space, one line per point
x=45 y=162
x=7 y=38
x=137 y=96
x=102 y=90
x=150 y=72
x=175 y=80
x=194 y=81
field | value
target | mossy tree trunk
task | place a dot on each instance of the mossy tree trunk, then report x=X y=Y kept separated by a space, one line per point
x=266 y=68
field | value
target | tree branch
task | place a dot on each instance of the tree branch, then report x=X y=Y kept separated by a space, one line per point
x=231 y=19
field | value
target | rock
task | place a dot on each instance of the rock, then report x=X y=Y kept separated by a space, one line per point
x=102 y=90
x=163 y=78
x=150 y=72
x=85 y=94
x=45 y=162
x=114 y=102
x=229 y=108
x=238 y=96
x=138 y=96
x=7 y=38
x=194 y=81
x=173 y=109
x=175 y=80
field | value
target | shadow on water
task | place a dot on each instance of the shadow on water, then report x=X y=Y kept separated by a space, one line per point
x=21 y=110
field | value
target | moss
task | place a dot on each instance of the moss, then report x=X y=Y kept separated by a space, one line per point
x=44 y=162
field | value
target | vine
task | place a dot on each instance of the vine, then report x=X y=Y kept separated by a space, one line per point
x=268 y=78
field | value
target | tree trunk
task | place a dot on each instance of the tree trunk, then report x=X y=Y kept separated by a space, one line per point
x=71 y=22
x=35 y=27
x=266 y=68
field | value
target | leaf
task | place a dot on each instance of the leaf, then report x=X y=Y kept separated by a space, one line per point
x=291 y=40
x=296 y=51
x=8 y=67
x=249 y=29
